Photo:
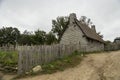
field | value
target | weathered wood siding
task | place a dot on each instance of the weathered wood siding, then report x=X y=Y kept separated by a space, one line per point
x=94 y=46
x=73 y=35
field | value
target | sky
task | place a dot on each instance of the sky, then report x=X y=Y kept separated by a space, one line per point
x=38 y=14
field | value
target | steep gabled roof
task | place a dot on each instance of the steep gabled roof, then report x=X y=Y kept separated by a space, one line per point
x=89 y=33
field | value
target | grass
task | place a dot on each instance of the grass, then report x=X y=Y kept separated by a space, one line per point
x=8 y=60
x=58 y=65
x=62 y=64
x=66 y=62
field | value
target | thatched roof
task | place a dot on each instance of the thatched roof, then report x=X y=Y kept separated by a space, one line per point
x=89 y=33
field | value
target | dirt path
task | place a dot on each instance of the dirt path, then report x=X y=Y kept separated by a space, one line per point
x=102 y=66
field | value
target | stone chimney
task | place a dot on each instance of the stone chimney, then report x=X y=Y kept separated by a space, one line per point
x=72 y=17
x=93 y=28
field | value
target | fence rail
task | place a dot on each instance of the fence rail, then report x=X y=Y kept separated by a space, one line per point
x=30 y=56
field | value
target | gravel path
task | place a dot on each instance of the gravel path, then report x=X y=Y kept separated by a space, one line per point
x=102 y=66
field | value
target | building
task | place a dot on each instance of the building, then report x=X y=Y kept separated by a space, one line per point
x=80 y=33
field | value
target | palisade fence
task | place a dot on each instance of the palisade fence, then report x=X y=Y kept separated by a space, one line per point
x=31 y=56
x=112 y=47
x=6 y=48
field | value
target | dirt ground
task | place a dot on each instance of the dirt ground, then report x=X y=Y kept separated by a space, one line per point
x=102 y=66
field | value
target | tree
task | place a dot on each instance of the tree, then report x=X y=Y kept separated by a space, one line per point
x=9 y=35
x=86 y=20
x=50 y=38
x=27 y=38
x=59 y=25
x=40 y=37
x=83 y=19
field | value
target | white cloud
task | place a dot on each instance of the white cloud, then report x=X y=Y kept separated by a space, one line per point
x=34 y=14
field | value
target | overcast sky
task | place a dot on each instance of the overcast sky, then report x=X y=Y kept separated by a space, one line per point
x=38 y=14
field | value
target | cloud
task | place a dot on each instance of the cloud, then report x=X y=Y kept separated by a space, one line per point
x=34 y=14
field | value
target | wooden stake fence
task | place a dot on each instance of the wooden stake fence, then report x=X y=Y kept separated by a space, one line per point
x=31 y=56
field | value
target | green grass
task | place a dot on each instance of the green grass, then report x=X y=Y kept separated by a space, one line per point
x=66 y=62
x=8 y=58
x=62 y=64
x=57 y=65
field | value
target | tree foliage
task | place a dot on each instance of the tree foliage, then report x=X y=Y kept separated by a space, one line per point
x=59 y=25
x=26 y=38
x=86 y=20
x=50 y=38
x=12 y=36
x=9 y=36
x=40 y=37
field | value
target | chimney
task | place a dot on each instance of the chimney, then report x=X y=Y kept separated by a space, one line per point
x=72 y=17
x=93 y=28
